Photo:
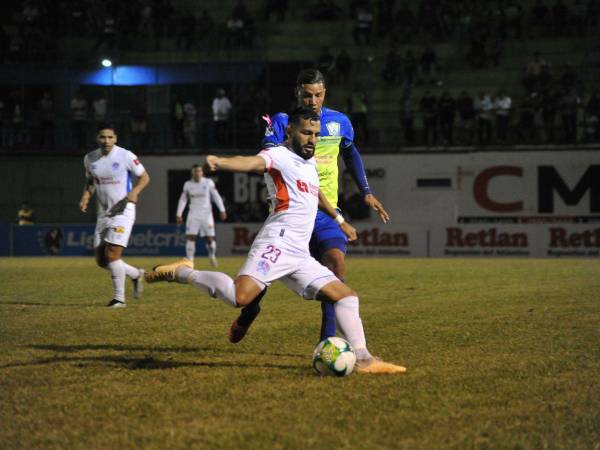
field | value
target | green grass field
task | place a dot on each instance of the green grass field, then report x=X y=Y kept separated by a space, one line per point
x=501 y=354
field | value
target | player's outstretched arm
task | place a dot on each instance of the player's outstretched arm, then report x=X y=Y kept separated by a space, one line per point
x=348 y=229
x=236 y=164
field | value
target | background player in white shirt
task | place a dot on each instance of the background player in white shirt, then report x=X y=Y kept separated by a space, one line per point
x=108 y=171
x=200 y=191
x=280 y=250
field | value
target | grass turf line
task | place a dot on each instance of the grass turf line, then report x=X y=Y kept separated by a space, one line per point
x=502 y=353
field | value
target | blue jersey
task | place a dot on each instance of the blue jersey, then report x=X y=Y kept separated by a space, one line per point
x=336 y=133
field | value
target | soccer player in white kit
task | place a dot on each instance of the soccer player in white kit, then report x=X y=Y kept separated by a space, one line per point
x=280 y=250
x=108 y=172
x=200 y=191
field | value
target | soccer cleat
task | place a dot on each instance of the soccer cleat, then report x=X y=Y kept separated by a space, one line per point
x=213 y=261
x=237 y=332
x=376 y=365
x=138 y=284
x=116 y=304
x=166 y=272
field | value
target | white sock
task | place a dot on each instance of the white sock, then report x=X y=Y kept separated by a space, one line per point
x=211 y=248
x=346 y=314
x=130 y=271
x=117 y=273
x=215 y=284
x=190 y=250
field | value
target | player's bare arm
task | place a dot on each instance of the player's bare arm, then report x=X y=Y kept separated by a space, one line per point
x=141 y=184
x=325 y=206
x=376 y=205
x=88 y=191
x=236 y=164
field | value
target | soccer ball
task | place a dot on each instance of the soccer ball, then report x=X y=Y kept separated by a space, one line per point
x=334 y=356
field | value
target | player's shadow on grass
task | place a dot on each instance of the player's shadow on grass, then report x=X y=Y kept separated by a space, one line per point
x=147 y=363
x=140 y=348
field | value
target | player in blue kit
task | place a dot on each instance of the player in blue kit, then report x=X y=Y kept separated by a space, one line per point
x=328 y=242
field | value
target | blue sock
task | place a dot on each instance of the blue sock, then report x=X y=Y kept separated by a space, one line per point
x=328 y=319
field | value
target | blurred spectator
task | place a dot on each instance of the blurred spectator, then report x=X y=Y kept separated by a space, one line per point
x=429 y=112
x=25 y=214
x=592 y=118
x=139 y=126
x=108 y=32
x=278 y=7
x=205 y=24
x=407 y=116
x=325 y=10
x=190 y=126
x=428 y=65
x=483 y=109
x=146 y=20
x=466 y=118
x=560 y=18
x=548 y=106
x=177 y=121
x=497 y=49
x=513 y=13
x=186 y=35
x=221 y=109
x=392 y=68
x=358 y=108
x=526 y=131
x=46 y=107
x=18 y=137
x=568 y=106
x=363 y=25
x=409 y=64
x=539 y=15
x=235 y=32
x=343 y=66
x=534 y=72
x=502 y=107
x=447 y=110
x=79 y=118
x=100 y=108
x=325 y=61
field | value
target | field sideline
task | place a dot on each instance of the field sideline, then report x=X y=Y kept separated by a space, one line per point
x=502 y=354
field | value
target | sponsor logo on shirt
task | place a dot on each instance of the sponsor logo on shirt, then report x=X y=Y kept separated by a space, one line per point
x=303 y=186
x=333 y=128
x=120 y=230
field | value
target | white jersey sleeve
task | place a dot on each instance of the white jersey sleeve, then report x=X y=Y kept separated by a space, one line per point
x=216 y=197
x=134 y=165
x=183 y=199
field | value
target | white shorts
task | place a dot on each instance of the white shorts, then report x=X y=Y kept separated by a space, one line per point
x=300 y=273
x=117 y=229
x=204 y=226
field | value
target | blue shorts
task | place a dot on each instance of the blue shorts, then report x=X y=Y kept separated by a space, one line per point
x=326 y=234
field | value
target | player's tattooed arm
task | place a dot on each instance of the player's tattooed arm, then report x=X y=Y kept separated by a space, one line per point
x=325 y=206
x=236 y=164
x=88 y=191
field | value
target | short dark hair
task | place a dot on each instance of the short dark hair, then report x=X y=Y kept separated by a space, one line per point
x=195 y=166
x=309 y=76
x=302 y=113
x=106 y=126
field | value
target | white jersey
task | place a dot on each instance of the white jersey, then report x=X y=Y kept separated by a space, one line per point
x=293 y=186
x=112 y=175
x=199 y=194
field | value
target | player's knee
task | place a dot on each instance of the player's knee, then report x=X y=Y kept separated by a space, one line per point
x=243 y=298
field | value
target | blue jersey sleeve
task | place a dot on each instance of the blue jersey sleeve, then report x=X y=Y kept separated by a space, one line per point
x=347 y=133
x=354 y=163
x=275 y=130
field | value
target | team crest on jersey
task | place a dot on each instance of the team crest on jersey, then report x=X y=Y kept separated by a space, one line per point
x=333 y=128
x=263 y=267
x=115 y=165
x=120 y=230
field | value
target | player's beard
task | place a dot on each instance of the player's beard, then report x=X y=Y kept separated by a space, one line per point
x=305 y=152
